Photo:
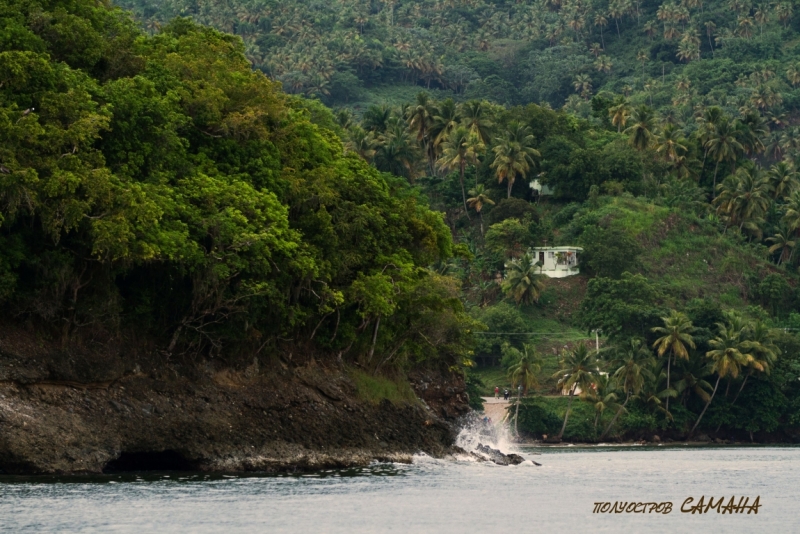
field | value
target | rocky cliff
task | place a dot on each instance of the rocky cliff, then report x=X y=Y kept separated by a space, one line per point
x=115 y=407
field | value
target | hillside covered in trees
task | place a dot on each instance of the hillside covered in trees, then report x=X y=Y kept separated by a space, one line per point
x=162 y=181
x=669 y=54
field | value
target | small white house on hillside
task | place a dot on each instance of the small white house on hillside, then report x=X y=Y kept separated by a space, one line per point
x=557 y=262
x=541 y=189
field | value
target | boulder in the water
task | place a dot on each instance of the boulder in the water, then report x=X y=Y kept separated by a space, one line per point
x=498 y=457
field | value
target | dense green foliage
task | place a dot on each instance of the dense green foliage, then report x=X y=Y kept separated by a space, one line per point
x=157 y=180
x=685 y=52
x=158 y=183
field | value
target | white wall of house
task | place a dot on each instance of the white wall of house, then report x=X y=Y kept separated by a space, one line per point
x=557 y=262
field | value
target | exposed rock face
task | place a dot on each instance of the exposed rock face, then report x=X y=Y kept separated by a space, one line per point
x=62 y=414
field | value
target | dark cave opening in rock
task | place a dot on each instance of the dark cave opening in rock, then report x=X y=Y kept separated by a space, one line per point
x=148 y=461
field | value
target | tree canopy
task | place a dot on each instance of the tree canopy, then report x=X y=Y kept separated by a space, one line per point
x=160 y=181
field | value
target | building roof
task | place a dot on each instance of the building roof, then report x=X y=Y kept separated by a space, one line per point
x=558 y=249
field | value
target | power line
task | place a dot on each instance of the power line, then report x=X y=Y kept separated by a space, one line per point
x=528 y=334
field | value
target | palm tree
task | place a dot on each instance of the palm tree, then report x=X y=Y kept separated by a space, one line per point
x=671 y=143
x=642 y=56
x=762 y=16
x=420 y=117
x=583 y=85
x=761 y=346
x=791 y=213
x=649 y=29
x=514 y=155
x=783 y=179
x=524 y=373
x=601 y=22
x=633 y=364
x=793 y=75
x=523 y=282
x=723 y=145
x=474 y=116
x=650 y=397
x=675 y=337
x=396 y=149
x=578 y=369
x=475 y=147
x=603 y=64
x=457 y=151
x=690 y=376
x=446 y=117
x=752 y=128
x=727 y=356
x=619 y=115
x=479 y=197
x=710 y=27
x=745 y=27
x=641 y=131
x=600 y=396
x=376 y=118
x=783 y=241
x=616 y=11
x=744 y=198
x=784 y=11
x=361 y=142
x=688 y=51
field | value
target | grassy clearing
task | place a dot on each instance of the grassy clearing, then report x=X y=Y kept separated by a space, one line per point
x=688 y=257
x=374 y=389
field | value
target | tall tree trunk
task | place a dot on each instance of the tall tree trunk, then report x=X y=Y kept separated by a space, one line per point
x=481 y=216
x=737 y=396
x=463 y=193
x=706 y=407
x=714 y=188
x=616 y=415
x=741 y=388
x=516 y=418
x=601 y=39
x=566 y=415
x=705 y=155
x=669 y=359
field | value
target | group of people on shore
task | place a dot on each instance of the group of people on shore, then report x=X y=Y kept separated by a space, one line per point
x=506 y=393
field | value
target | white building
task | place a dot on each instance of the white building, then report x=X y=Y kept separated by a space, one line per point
x=541 y=189
x=557 y=262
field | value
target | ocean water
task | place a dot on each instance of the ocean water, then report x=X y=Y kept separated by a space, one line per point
x=438 y=496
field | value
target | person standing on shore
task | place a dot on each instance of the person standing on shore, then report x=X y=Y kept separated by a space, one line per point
x=497 y=392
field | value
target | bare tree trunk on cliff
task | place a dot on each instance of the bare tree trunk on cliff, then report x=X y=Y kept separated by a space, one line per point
x=374 y=337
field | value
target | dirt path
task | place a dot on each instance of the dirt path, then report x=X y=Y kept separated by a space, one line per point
x=494 y=408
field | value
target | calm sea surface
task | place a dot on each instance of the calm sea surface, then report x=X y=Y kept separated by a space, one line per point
x=427 y=496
